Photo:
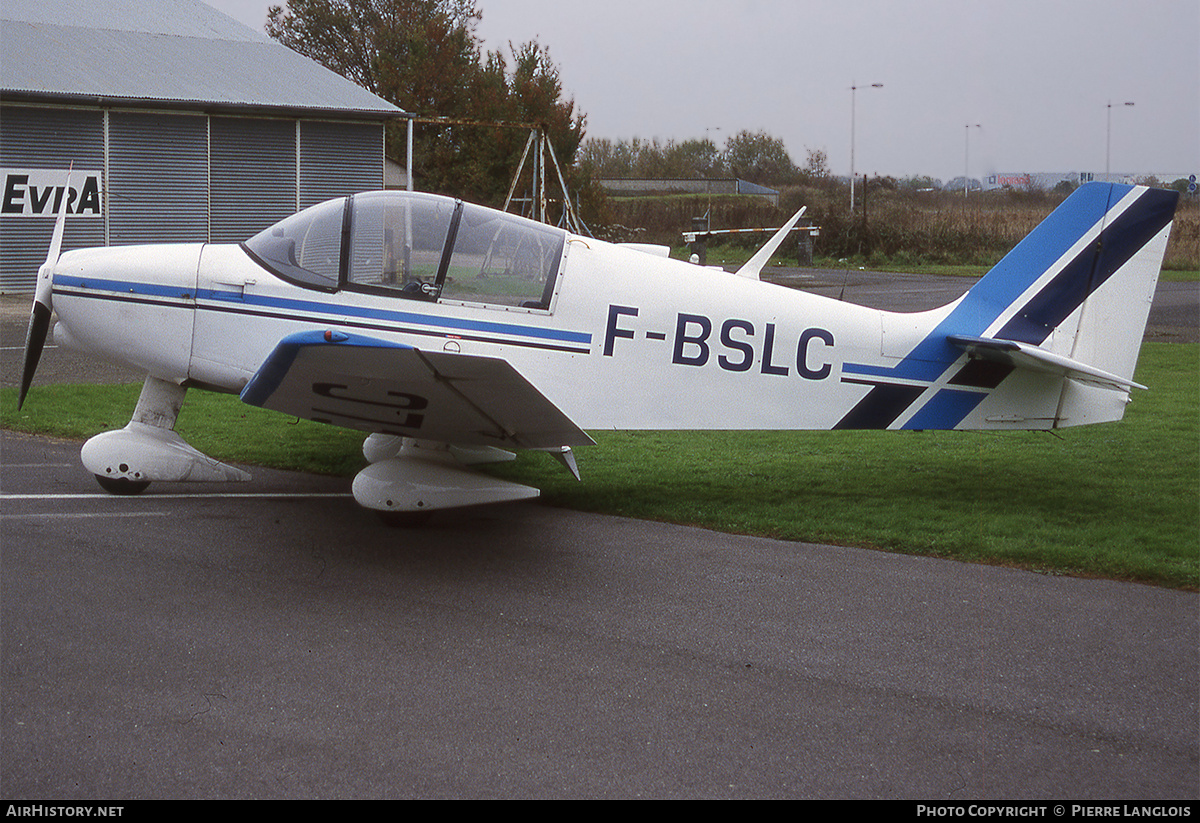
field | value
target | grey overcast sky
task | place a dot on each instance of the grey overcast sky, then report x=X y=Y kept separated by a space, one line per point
x=1036 y=75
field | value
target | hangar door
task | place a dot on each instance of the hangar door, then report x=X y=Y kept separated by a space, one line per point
x=158 y=178
x=170 y=176
x=253 y=175
x=337 y=159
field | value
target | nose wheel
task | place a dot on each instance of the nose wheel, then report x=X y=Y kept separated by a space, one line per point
x=122 y=485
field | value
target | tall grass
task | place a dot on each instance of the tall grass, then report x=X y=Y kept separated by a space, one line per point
x=903 y=227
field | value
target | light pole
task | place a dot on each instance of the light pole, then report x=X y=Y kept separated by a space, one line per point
x=708 y=142
x=1108 y=141
x=967 y=157
x=853 y=90
x=709 y=171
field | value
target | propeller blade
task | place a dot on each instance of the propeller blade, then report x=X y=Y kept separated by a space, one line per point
x=59 y=223
x=35 y=341
x=39 y=317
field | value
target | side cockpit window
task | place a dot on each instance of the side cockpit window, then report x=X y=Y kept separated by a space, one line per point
x=503 y=260
x=416 y=246
x=399 y=241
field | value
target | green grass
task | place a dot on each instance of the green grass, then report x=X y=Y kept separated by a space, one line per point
x=1119 y=500
x=1179 y=275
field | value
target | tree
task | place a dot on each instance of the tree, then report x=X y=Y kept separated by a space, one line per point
x=759 y=158
x=638 y=158
x=421 y=55
x=816 y=165
x=696 y=158
x=424 y=56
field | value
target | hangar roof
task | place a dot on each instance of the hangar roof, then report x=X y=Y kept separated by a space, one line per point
x=169 y=53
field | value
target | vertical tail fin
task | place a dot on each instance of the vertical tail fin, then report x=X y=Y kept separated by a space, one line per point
x=1090 y=301
x=1076 y=295
x=1052 y=333
x=1095 y=257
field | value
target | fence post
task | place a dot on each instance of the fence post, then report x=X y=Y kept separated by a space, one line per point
x=804 y=246
x=700 y=244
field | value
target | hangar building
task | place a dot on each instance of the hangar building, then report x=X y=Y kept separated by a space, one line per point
x=181 y=125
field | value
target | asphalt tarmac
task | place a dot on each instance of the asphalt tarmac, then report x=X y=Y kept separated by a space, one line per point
x=273 y=640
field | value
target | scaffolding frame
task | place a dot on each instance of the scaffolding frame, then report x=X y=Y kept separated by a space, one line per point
x=541 y=147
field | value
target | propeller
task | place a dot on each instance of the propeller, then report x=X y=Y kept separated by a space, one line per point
x=39 y=317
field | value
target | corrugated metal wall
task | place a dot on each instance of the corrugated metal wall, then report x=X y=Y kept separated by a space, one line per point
x=178 y=177
x=253 y=175
x=339 y=159
x=46 y=139
x=157 y=178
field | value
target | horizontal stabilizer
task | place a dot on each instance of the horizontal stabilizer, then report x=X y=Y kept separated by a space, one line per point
x=375 y=386
x=1028 y=356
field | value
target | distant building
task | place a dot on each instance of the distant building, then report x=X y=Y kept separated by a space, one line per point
x=635 y=187
x=1048 y=181
x=182 y=126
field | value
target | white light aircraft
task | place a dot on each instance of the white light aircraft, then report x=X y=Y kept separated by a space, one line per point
x=454 y=335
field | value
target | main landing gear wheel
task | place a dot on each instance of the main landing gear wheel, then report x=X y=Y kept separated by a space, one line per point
x=405 y=520
x=122 y=485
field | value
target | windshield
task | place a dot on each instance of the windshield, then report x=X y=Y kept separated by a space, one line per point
x=306 y=247
x=417 y=246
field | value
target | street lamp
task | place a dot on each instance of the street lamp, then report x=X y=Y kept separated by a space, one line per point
x=708 y=172
x=1108 y=142
x=967 y=157
x=854 y=89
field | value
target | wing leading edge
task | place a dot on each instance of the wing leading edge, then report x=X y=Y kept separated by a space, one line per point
x=373 y=385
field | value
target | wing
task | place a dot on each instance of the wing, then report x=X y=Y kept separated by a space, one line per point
x=376 y=386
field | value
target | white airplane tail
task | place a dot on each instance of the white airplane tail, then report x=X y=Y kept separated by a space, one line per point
x=1051 y=335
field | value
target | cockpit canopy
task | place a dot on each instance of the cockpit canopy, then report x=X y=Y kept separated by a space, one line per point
x=419 y=246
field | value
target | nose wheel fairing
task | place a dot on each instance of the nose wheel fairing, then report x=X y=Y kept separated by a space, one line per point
x=127 y=460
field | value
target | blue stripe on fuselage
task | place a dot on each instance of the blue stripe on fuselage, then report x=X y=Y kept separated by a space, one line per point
x=447 y=323
x=945 y=410
x=334 y=310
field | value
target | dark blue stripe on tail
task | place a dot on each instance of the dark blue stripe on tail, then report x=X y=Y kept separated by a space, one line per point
x=1118 y=242
x=1079 y=214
